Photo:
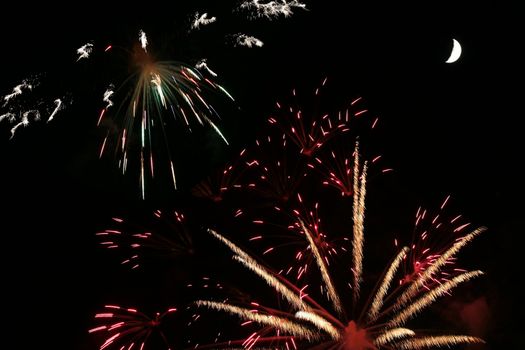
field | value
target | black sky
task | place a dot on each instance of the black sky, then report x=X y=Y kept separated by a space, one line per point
x=446 y=129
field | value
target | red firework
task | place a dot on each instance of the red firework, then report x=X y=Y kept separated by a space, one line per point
x=128 y=328
x=165 y=237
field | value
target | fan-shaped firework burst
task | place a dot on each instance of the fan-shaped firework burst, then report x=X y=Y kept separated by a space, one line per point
x=163 y=94
x=376 y=326
x=165 y=237
x=128 y=328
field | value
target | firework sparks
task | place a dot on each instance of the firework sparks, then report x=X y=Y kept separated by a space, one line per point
x=143 y=39
x=433 y=233
x=225 y=179
x=58 y=106
x=380 y=327
x=203 y=65
x=272 y=9
x=108 y=94
x=201 y=20
x=84 y=51
x=129 y=328
x=163 y=93
x=165 y=238
x=309 y=130
x=247 y=41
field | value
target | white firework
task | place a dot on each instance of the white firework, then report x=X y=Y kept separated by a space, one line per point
x=143 y=40
x=202 y=65
x=272 y=9
x=201 y=20
x=247 y=41
x=84 y=51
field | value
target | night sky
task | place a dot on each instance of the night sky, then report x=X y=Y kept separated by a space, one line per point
x=443 y=128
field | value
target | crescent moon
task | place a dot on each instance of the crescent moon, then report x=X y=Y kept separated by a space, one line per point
x=456 y=52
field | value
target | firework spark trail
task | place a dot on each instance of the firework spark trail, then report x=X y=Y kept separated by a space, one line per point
x=438 y=341
x=334 y=333
x=17 y=90
x=413 y=289
x=201 y=20
x=319 y=322
x=84 y=51
x=24 y=121
x=358 y=226
x=382 y=291
x=278 y=322
x=332 y=294
x=271 y=9
x=203 y=65
x=58 y=107
x=166 y=236
x=143 y=39
x=247 y=41
x=251 y=264
x=393 y=334
x=431 y=296
x=108 y=94
x=162 y=93
x=129 y=327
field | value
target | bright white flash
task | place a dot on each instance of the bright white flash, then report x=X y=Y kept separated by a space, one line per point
x=84 y=51
x=271 y=9
x=203 y=65
x=248 y=41
x=201 y=20
x=107 y=96
x=143 y=39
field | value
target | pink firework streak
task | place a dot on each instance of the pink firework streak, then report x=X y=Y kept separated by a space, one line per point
x=166 y=238
x=128 y=328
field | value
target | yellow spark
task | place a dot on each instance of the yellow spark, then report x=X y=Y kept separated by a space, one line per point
x=332 y=294
x=435 y=267
x=377 y=303
x=393 y=334
x=320 y=323
x=431 y=296
x=438 y=341
x=280 y=323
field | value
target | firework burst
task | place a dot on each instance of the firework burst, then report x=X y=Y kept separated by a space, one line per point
x=128 y=328
x=381 y=323
x=433 y=234
x=166 y=237
x=163 y=94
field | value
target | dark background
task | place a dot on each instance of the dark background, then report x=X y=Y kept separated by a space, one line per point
x=446 y=129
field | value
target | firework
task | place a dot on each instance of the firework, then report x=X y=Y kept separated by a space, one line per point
x=26 y=105
x=84 y=51
x=272 y=9
x=433 y=234
x=201 y=20
x=128 y=328
x=246 y=40
x=162 y=94
x=308 y=129
x=167 y=237
x=376 y=326
x=277 y=174
x=226 y=179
